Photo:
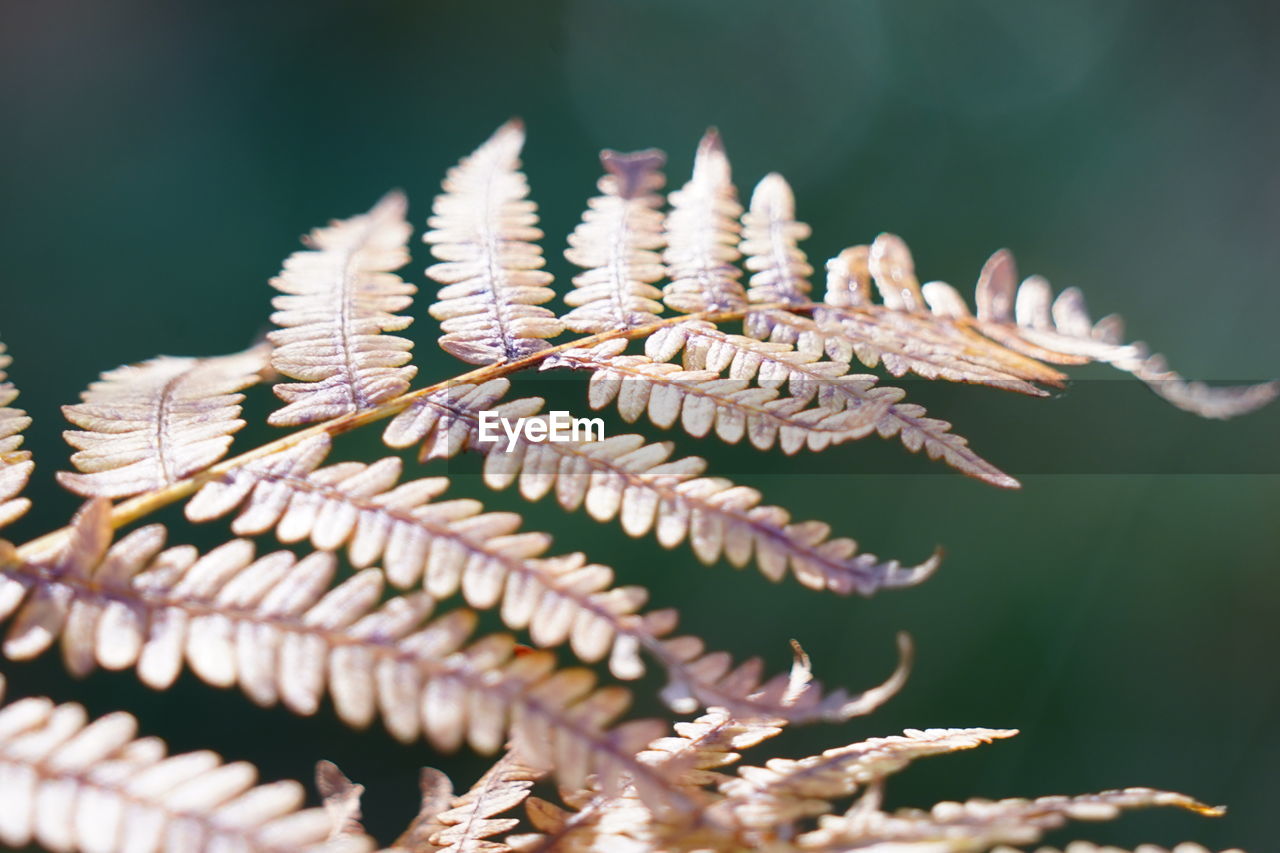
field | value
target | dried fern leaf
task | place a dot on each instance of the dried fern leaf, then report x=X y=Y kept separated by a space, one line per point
x=764 y=799
x=703 y=401
x=702 y=234
x=148 y=425
x=15 y=464
x=341 y=800
x=337 y=299
x=452 y=545
x=273 y=626
x=473 y=817
x=618 y=243
x=709 y=743
x=979 y=825
x=771 y=238
x=484 y=232
x=1028 y=318
x=1087 y=847
x=70 y=784
x=898 y=334
x=624 y=477
x=690 y=759
x=705 y=347
x=444 y=546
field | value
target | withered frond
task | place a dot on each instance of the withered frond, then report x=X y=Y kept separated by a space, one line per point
x=71 y=784
x=771 y=238
x=1087 y=847
x=625 y=477
x=288 y=628
x=473 y=817
x=978 y=825
x=785 y=805
x=766 y=799
x=337 y=299
x=618 y=243
x=484 y=233
x=274 y=626
x=703 y=401
x=341 y=799
x=450 y=545
x=15 y=463
x=828 y=383
x=148 y=425
x=1029 y=319
x=702 y=237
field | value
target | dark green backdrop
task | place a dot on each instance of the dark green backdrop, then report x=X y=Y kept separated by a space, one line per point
x=159 y=159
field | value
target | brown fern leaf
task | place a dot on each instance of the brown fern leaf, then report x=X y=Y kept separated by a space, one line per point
x=15 y=464
x=618 y=244
x=70 y=784
x=1087 y=847
x=981 y=824
x=703 y=401
x=455 y=544
x=902 y=334
x=337 y=299
x=148 y=425
x=625 y=477
x=1029 y=319
x=702 y=234
x=764 y=800
x=473 y=818
x=444 y=546
x=273 y=626
x=898 y=333
x=341 y=800
x=690 y=759
x=706 y=347
x=771 y=238
x=483 y=232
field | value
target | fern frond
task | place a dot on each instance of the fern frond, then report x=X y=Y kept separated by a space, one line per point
x=15 y=464
x=891 y=267
x=473 y=818
x=149 y=425
x=846 y=324
x=766 y=799
x=771 y=238
x=690 y=759
x=706 y=347
x=455 y=544
x=341 y=800
x=484 y=232
x=273 y=626
x=444 y=546
x=978 y=825
x=624 y=477
x=618 y=244
x=1028 y=318
x=702 y=234
x=337 y=299
x=1088 y=847
x=71 y=784
x=703 y=401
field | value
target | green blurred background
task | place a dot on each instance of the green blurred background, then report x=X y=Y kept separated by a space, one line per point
x=159 y=160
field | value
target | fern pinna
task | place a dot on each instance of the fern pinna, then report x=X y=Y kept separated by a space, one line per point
x=702 y=314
